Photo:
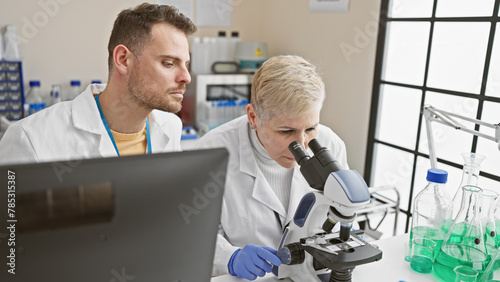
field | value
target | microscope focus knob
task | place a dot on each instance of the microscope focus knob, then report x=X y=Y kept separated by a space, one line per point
x=291 y=254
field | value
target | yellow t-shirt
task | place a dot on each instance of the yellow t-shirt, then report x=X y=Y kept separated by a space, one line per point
x=131 y=143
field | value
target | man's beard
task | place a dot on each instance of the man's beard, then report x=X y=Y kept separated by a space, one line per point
x=153 y=99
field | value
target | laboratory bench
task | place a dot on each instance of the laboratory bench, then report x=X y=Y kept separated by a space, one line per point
x=391 y=268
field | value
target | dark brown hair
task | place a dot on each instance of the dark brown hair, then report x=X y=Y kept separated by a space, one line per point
x=132 y=27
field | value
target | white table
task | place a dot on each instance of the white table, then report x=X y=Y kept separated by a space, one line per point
x=391 y=268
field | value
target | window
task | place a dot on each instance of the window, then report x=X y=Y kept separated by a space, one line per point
x=445 y=53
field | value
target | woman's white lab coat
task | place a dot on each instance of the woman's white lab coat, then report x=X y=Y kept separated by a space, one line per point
x=250 y=208
x=74 y=130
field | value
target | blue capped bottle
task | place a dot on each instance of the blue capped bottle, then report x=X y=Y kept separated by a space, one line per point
x=432 y=209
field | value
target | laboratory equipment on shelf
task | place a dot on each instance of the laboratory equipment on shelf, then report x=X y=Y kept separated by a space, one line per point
x=1 y=47
x=12 y=52
x=74 y=89
x=201 y=107
x=309 y=250
x=207 y=51
x=33 y=101
x=11 y=90
x=55 y=94
x=250 y=55
x=431 y=217
x=465 y=242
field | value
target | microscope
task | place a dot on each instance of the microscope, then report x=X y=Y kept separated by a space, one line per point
x=309 y=250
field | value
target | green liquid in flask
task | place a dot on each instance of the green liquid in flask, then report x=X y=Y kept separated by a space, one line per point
x=452 y=255
x=491 y=242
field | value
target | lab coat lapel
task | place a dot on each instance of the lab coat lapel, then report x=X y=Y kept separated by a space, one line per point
x=299 y=188
x=86 y=117
x=262 y=191
x=160 y=142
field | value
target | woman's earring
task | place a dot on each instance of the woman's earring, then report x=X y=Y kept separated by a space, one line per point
x=252 y=126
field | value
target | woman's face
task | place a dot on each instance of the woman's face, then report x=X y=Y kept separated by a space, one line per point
x=277 y=133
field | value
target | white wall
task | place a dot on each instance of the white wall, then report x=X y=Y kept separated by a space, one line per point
x=67 y=39
x=289 y=27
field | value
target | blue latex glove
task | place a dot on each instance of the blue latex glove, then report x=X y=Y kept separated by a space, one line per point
x=253 y=261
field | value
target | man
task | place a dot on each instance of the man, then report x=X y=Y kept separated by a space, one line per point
x=133 y=113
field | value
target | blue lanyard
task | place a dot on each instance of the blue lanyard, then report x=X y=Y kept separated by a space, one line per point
x=109 y=130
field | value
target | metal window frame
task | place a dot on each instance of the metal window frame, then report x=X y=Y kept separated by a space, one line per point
x=378 y=82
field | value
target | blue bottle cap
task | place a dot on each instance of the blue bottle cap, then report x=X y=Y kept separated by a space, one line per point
x=75 y=82
x=437 y=175
x=34 y=83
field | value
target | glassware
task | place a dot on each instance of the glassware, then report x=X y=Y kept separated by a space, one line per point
x=422 y=255
x=12 y=52
x=492 y=272
x=488 y=216
x=465 y=274
x=55 y=94
x=470 y=176
x=464 y=243
x=432 y=209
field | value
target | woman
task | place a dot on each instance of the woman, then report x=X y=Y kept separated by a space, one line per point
x=264 y=184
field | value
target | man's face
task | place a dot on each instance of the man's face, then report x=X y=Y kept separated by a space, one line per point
x=159 y=76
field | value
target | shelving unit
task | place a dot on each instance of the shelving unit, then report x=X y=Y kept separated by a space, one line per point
x=11 y=90
x=381 y=203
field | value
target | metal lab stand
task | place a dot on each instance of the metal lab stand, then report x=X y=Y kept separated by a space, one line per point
x=381 y=203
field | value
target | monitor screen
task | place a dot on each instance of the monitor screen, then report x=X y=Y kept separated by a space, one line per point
x=132 y=218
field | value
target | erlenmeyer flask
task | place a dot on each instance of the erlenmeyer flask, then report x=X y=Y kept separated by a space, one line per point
x=488 y=216
x=496 y=216
x=492 y=272
x=470 y=176
x=464 y=243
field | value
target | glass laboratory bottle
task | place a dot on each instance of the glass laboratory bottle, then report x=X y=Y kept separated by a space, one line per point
x=470 y=176
x=74 y=89
x=488 y=216
x=432 y=209
x=55 y=94
x=12 y=52
x=32 y=97
x=464 y=243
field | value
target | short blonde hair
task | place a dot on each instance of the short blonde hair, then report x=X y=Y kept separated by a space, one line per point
x=286 y=86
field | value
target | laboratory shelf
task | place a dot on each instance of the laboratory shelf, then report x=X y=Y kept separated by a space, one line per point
x=11 y=90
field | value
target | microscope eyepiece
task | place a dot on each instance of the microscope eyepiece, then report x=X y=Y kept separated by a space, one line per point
x=315 y=146
x=315 y=169
x=298 y=152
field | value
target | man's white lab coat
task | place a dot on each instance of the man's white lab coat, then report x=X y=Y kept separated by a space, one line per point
x=74 y=130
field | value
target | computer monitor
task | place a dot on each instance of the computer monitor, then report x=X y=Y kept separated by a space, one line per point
x=132 y=218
